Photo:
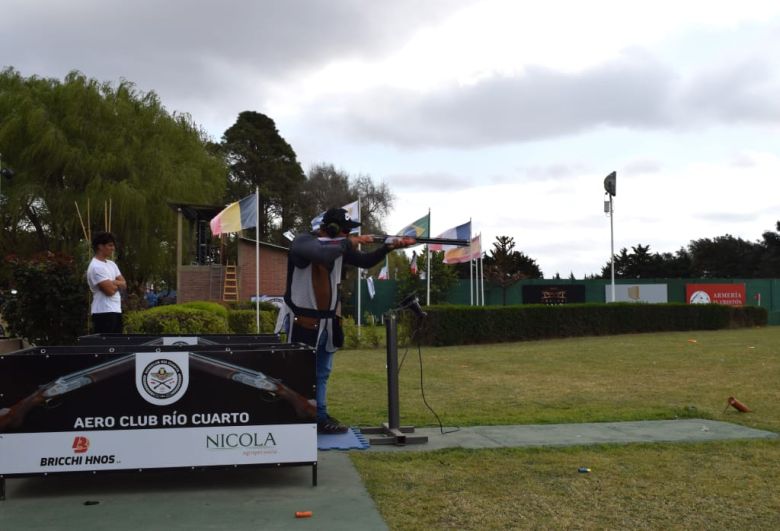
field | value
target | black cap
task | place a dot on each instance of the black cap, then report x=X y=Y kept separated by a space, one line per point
x=340 y=217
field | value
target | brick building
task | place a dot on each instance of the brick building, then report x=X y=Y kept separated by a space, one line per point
x=203 y=279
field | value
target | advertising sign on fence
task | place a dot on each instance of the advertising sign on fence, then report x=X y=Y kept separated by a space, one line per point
x=555 y=294
x=730 y=294
x=637 y=293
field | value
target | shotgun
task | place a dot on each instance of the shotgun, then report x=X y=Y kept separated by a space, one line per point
x=303 y=407
x=386 y=238
x=12 y=417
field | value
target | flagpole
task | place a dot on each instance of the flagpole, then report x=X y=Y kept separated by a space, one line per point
x=257 y=259
x=482 y=273
x=471 y=281
x=428 y=262
x=359 y=274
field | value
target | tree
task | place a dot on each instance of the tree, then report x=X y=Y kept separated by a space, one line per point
x=769 y=266
x=79 y=142
x=443 y=278
x=258 y=157
x=640 y=263
x=505 y=266
x=50 y=305
x=725 y=257
x=328 y=187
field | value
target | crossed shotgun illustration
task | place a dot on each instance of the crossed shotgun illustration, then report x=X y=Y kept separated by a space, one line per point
x=12 y=417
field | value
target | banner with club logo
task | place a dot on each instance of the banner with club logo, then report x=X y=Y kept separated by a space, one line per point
x=92 y=408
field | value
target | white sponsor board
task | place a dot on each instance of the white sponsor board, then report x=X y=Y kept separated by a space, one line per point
x=637 y=293
x=40 y=453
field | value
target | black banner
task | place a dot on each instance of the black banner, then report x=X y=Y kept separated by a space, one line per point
x=57 y=389
x=553 y=294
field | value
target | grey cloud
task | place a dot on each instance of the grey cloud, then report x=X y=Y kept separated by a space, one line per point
x=642 y=166
x=539 y=104
x=430 y=181
x=199 y=45
x=745 y=92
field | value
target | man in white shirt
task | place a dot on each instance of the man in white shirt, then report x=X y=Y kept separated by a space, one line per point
x=105 y=280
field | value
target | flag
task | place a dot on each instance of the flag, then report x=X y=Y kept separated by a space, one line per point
x=353 y=211
x=384 y=274
x=458 y=255
x=413 y=265
x=419 y=229
x=236 y=216
x=461 y=232
x=370 y=287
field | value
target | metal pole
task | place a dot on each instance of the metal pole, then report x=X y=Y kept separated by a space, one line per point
x=393 y=410
x=257 y=259
x=612 y=244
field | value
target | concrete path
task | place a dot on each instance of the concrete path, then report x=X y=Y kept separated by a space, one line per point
x=245 y=499
x=684 y=430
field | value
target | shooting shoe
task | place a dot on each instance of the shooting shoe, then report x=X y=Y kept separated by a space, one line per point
x=331 y=426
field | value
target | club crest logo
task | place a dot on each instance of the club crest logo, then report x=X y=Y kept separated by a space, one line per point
x=162 y=378
x=700 y=297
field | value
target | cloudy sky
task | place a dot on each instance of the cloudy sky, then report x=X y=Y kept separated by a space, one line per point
x=505 y=112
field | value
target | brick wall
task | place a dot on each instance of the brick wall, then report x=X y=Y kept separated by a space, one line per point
x=204 y=283
x=200 y=283
x=273 y=270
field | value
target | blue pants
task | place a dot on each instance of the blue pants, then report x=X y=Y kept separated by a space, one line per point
x=324 y=360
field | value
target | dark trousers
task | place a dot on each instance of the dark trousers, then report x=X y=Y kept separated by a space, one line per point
x=107 y=323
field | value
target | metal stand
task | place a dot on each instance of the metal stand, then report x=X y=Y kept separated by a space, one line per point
x=392 y=432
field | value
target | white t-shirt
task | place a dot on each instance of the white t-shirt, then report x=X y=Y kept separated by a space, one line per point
x=97 y=272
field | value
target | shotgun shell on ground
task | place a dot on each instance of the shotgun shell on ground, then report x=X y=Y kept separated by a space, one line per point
x=303 y=514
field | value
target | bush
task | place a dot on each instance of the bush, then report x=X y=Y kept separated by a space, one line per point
x=208 y=306
x=174 y=319
x=457 y=325
x=51 y=306
x=244 y=322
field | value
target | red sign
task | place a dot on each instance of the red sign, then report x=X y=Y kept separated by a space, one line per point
x=731 y=294
x=80 y=444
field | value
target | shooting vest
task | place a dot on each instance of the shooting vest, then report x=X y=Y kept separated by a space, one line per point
x=312 y=297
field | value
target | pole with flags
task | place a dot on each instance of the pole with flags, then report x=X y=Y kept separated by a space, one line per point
x=359 y=275
x=238 y=216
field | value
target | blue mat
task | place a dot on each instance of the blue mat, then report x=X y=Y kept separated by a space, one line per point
x=351 y=440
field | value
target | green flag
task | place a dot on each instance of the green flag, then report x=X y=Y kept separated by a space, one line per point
x=419 y=229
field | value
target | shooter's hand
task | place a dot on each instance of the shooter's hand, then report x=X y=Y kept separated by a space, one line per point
x=400 y=242
x=361 y=239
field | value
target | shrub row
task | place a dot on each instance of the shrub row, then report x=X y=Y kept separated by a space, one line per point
x=197 y=318
x=458 y=325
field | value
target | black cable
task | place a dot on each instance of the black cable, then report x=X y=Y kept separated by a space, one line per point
x=422 y=381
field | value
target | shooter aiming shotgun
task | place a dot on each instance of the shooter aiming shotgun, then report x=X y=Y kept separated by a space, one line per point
x=303 y=407
x=12 y=417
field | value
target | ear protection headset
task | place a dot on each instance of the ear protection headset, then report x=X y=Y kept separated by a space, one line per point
x=333 y=229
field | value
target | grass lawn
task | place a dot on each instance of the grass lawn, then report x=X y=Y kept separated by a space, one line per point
x=730 y=485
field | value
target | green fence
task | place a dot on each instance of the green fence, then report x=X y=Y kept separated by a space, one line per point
x=767 y=291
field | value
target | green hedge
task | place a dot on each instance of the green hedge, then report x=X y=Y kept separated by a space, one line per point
x=244 y=322
x=458 y=325
x=213 y=307
x=175 y=319
x=197 y=318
